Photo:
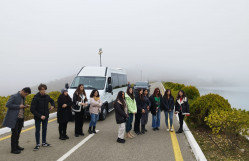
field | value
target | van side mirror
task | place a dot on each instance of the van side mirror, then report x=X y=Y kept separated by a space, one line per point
x=66 y=86
x=109 y=88
x=109 y=80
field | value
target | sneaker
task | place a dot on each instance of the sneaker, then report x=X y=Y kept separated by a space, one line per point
x=167 y=129
x=46 y=145
x=171 y=130
x=157 y=128
x=37 y=147
x=154 y=129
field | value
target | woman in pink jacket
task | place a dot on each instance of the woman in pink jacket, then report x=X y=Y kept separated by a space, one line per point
x=95 y=109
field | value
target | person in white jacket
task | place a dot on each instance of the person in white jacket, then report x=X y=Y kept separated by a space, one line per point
x=95 y=109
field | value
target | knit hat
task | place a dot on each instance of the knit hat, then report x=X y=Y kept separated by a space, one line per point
x=64 y=90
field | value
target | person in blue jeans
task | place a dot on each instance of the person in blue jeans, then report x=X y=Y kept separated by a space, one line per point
x=40 y=109
x=95 y=109
x=168 y=107
x=156 y=105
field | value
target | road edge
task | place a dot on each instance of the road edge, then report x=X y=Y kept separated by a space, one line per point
x=199 y=155
x=5 y=130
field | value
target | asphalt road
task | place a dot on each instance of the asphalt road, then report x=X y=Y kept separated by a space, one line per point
x=152 y=146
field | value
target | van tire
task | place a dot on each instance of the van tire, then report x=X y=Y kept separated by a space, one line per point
x=103 y=113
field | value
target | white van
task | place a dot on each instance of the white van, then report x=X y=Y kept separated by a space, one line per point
x=108 y=81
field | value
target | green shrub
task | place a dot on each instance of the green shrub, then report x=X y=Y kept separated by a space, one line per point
x=173 y=86
x=232 y=122
x=3 y=109
x=202 y=106
x=191 y=91
x=27 y=114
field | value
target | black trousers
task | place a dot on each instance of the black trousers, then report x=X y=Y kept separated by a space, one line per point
x=16 y=134
x=137 y=122
x=63 y=128
x=79 y=121
x=181 y=118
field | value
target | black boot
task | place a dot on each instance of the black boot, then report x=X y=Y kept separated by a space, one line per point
x=120 y=140
x=16 y=151
x=94 y=130
x=19 y=148
x=143 y=129
x=90 y=130
x=179 y=131
x=62 y=137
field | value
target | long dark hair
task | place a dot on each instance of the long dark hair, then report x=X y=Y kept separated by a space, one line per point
x=178 y=95
x=144 y=92
x=142 y=95
x=92 y=94
x=120 y=98
x=78 y=92
x=155 y=92
x=130 y=94
x=166 y=94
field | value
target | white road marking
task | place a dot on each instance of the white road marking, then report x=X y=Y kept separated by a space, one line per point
x=76 y=147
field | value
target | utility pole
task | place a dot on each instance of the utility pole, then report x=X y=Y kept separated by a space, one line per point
x=100 y=53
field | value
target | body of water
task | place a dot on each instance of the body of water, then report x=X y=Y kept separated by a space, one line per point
x=238 y=97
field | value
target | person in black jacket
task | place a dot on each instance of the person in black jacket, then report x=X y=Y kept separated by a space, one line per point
x=15 y=117
x=63 y=113
x=182 y=108
x=168 y=107
x=144 y=119
x=156 y=105
x=140 y=110
x=79 y=103
x=121 y=114
x=40 y=109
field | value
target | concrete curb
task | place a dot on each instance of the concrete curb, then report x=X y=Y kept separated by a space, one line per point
x=26 y=123
x=199 y=155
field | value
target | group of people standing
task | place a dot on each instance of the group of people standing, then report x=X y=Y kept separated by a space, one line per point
x=40 y=108
x=78 y=104
x=127 y=105
x=140 y=104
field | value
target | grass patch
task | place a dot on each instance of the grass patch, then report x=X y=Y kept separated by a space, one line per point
x=219 y=147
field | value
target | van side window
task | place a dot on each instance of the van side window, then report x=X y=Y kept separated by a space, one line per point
x=118 y=80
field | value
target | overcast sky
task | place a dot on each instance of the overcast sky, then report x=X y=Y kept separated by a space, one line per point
x=187 y=40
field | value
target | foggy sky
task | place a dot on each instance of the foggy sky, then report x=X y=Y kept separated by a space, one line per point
x=188 y=41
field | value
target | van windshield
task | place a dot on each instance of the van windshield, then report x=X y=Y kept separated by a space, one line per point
x=89 y=82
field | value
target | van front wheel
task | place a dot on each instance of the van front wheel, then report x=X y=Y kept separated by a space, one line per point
x=103 y=113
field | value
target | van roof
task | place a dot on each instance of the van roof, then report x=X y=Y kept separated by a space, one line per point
x=96 y=71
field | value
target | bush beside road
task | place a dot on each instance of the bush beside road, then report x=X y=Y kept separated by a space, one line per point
x=218 y=128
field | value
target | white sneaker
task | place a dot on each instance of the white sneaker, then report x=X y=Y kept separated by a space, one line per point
x=167 y=129
x=171 y=130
